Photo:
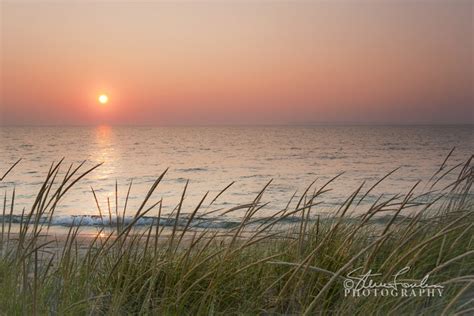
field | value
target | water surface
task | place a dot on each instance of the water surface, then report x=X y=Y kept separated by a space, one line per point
x=211 y=158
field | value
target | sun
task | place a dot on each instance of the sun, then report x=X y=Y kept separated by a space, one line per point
x=103 y=99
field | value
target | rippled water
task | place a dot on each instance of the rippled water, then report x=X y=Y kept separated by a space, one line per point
x=211 y=158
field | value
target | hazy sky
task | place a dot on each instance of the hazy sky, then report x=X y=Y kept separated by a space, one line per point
x=237 y=62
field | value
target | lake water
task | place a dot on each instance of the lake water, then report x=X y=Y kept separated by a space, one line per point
x=212 y=157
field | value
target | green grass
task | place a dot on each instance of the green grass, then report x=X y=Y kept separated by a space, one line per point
x=258 y=267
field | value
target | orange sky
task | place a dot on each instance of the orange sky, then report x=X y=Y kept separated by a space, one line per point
x=236 y=62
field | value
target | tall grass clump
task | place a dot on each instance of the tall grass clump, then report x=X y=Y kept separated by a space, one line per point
x=298 y=261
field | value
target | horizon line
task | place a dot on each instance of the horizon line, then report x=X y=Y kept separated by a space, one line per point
x=293 y=124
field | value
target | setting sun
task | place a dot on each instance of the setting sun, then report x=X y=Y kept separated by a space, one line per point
x=103 y=99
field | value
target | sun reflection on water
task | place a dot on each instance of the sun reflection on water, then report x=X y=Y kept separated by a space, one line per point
x=105 y=151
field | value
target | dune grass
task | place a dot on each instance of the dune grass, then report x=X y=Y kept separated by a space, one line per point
x=261 y=266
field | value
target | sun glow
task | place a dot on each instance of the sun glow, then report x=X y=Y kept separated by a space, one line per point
x=103 y=99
